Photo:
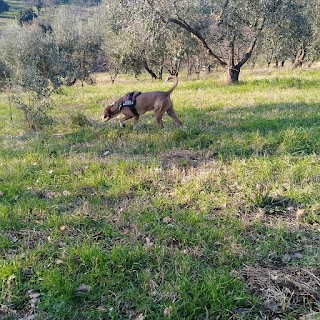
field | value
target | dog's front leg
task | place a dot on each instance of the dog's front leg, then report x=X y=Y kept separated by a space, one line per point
x=135 y=126
x=125 y=118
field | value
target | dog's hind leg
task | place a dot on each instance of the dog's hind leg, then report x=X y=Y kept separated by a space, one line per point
x=159 y=116
x=173 y=115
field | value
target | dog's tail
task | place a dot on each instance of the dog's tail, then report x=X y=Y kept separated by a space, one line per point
x=174 y=85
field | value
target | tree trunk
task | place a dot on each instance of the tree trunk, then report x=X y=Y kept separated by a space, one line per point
x=299 y=57
x=233 y=70
x=153 y=75
x=160 y=73
x=233 y=74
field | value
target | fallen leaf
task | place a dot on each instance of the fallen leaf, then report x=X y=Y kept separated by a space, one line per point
x=10 y=279
x=83 y=289
x=34 y=297
x=300 y=213
x=138 y=317
x=51 y=195
x=167 y=311
x=33 y=294
x=167 y=220
x=102 y=309
x=66 y=193
x=150 y=241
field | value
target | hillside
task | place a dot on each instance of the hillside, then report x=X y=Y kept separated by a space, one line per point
x=16 y=5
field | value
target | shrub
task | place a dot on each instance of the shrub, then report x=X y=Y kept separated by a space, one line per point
x=79 y=119
x=26 y=15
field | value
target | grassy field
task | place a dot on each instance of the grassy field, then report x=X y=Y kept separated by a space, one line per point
x=216 y=221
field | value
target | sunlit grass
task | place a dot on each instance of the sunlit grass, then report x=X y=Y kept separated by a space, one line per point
x=161 y=223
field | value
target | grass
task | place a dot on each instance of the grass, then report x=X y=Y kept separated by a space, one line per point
x=99 y=222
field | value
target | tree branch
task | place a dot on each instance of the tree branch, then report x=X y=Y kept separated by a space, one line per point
x=248 y=53
x=199 y=37
x=193 y=31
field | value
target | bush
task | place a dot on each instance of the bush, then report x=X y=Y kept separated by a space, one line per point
x=80 y=120
x=26 y=15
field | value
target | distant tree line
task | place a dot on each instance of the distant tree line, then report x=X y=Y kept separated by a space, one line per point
x=152 y=36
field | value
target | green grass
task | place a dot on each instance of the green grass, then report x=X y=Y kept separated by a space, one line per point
x=163 y=224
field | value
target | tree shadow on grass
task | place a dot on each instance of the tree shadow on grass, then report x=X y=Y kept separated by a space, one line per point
x=265 y=129
x=262 y=130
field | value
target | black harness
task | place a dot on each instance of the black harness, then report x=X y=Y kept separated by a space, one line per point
x=130 y=101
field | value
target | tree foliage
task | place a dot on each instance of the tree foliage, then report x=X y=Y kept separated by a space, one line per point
x=147 y=31
x=43 y=56
x=4 y=6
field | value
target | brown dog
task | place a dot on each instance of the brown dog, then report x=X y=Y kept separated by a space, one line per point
x=159 y=101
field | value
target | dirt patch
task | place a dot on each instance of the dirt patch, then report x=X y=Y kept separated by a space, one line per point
x=285 y=291
x=183 y=158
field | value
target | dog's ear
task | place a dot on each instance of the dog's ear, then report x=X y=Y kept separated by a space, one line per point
x=106 y=114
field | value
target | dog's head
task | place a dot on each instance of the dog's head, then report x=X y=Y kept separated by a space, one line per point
x=110 y=111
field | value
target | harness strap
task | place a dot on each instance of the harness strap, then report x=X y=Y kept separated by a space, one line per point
x=130 y=102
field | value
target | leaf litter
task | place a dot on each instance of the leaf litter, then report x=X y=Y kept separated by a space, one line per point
x=284 y=290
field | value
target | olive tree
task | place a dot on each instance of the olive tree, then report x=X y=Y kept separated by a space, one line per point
x=31 y=59
x=228 y=30
x=312 y=11
x=137 y=39
x=286 y=38
x=79 y=39
x=41 y=58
